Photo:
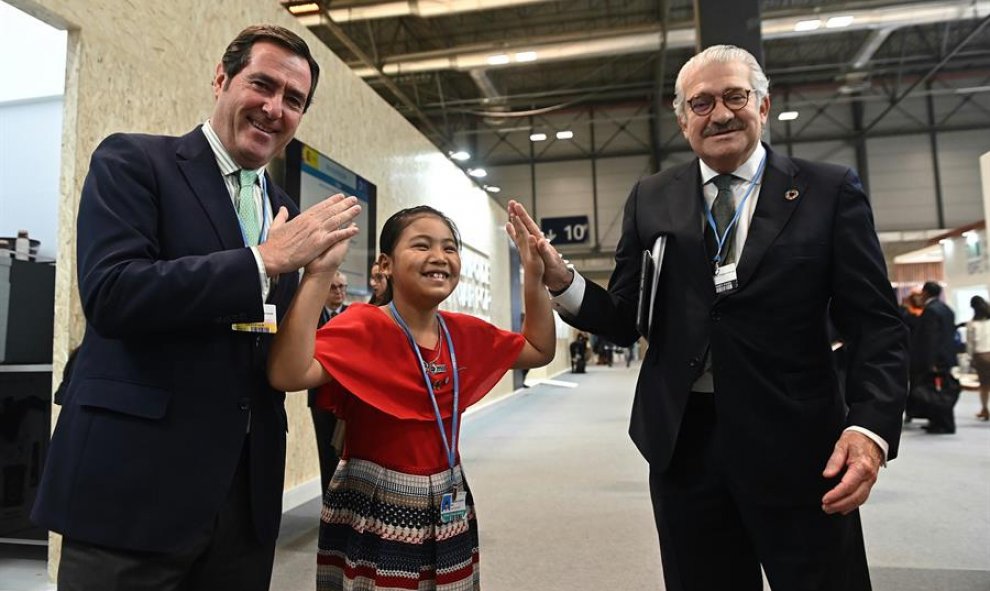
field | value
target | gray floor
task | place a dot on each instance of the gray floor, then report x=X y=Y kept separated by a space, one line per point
x=563 y=501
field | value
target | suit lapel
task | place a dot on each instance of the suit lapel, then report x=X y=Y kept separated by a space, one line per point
x=685 y=212
x=774 y=208
x=198 y=164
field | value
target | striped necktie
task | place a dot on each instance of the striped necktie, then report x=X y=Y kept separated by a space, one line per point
x=723 y=209
x=247 y=210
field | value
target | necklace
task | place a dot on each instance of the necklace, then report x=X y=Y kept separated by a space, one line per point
x=432 y=367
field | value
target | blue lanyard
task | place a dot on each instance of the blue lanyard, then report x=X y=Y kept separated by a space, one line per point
x=449 y=447
x=266 y=213
x=720 y=240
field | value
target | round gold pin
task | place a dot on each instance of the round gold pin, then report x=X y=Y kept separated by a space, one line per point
x=791 y=195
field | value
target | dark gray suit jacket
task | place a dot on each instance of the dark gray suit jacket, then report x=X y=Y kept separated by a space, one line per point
x=779 y=404
x=157 y=409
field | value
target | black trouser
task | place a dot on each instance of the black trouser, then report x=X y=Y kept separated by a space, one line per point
x=225 y=555
x=713 y=540
x=324 y=423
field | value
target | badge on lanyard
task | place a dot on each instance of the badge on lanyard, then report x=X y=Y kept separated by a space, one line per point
x=267 y=326
x=453 y=506
x=725 y=278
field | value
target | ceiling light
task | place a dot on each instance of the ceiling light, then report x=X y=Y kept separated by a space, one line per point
x=537 y=137
x=498 y=59
x=492 y=188
x=308 y=8
x=460 y=156
x=971 y=237
x=838 y=21
x=526 y=56
x=787 y=116
x=565 y=135
x=478 y=173
x=809 y=25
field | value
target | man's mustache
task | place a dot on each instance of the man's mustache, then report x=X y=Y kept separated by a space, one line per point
x=716 y=128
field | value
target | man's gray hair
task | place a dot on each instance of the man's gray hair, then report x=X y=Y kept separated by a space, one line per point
x=721 y=54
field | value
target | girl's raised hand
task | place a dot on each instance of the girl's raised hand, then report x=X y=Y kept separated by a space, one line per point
x=527 y=244
x=329 y=261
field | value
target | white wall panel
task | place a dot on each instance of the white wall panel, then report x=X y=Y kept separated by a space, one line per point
x=616 y=177
x=958 y=160
x=834 y=152
x=902 y=183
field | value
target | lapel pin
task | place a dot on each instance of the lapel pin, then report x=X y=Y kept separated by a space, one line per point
x=791 y=195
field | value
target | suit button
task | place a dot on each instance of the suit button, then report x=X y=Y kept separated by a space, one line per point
x=244 y=403
x=694 y=362
x=716 y=316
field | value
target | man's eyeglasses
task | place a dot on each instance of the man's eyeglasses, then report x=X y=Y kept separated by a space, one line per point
x=338 y=286
x=734 y=99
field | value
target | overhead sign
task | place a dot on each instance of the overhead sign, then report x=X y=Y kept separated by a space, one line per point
x=565 y=230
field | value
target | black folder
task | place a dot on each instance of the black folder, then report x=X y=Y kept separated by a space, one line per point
x=649 y=279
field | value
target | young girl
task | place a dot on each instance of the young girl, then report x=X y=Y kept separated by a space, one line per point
x=398 y=513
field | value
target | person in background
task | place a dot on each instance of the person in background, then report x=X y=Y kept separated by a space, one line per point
x=399 y=513
x=324 y=421
x=933 y=354
x=166 y=465
x=978 y=347
x=379 y=285
x=757 y=456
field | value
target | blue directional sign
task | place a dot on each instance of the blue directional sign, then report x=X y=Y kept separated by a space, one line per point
x=566 y=230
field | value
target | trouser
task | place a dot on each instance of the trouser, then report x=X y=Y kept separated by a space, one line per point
x=712 y=539
x=224 y=555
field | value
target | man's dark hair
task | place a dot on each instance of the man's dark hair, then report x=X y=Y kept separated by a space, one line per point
x=981 y=310
x=238 y=53
x=931 y=289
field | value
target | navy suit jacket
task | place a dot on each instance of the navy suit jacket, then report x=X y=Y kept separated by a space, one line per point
x=163 y=392
x=780 y=407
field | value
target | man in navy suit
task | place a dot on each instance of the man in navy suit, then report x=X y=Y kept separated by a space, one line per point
x=166 y=466
x=758 y=455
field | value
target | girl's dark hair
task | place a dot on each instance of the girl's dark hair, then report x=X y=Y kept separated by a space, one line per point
x=399 y=221
x=981 y=309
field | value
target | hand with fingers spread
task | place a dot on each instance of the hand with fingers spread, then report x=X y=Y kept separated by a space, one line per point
x=294 y=243
x=861 y=458
x=557 y=276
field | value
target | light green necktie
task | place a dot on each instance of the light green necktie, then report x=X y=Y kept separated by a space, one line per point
x=247 y=211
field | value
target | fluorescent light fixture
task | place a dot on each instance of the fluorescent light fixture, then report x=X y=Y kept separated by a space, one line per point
x=526 y=56
x=565 y=135
x=809 y=25
x=499 y=59
x=492 y=188
x=460 y=156
x=478 y=173
x=537 y=137
x=839 y=21
x=308 y=8
x=787 y=116
x=971 y=237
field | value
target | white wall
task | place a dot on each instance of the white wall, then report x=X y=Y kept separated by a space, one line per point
x=30 y=164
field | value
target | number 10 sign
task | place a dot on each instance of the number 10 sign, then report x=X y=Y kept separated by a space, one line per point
x=566 y=230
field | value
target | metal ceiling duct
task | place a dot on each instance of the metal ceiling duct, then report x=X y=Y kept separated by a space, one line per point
x=648 y=40
x=420 y=8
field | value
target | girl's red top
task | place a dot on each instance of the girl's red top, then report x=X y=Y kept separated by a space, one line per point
x=378 y=388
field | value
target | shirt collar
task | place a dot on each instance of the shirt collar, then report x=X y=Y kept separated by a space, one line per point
x=746 y=172
x=224 y=159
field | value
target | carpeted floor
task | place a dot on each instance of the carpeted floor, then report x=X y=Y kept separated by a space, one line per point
x=563 y=501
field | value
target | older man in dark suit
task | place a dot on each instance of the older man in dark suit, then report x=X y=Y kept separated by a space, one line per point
x=166 y=465
x=757 y=456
